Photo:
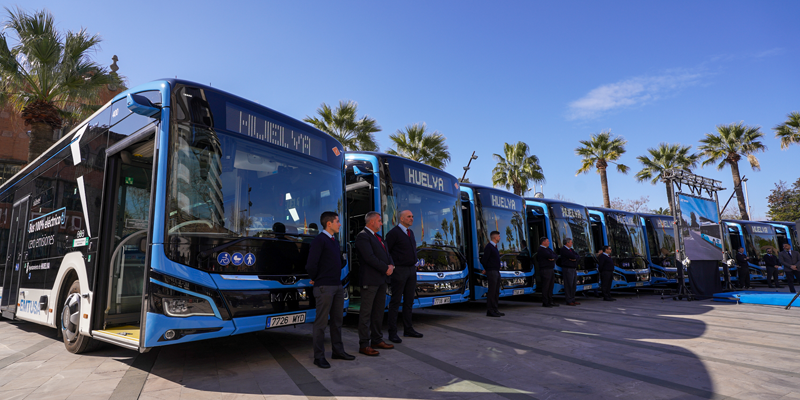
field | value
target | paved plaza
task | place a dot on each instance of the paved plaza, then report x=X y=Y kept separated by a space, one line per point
x=640 y=347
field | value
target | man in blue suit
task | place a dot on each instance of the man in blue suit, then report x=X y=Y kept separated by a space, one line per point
x=545 y=265
x=324 y=267
x=491 y=267
x=569 y=265
x=606 y=268
x=402 y=245
x=376 y=268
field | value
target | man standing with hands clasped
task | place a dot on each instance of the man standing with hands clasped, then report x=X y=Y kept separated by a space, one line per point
x=402 y=245
x=772 y=264
x=491 y=267
x=791 y=264
x=743 y=272
x=324 y=267
x=569 y=265
x=606 y=268
x=376 y=268
x=545 y=264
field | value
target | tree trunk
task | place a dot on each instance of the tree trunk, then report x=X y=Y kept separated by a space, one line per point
x=604 y=184
x=517 y=188
x=41 y=139
x=737 y=182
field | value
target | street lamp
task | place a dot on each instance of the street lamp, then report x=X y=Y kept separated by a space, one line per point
x=473 y=157
x=747 y=199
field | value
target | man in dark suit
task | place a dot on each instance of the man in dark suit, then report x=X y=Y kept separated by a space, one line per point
x=606 y=268
x=569 y=265
x=772 y=264
x=376 y=268
x=790 y=259
x=324 y=267
x=744 y=269
x=402 y=245
x=491 y=267
x=545 y=264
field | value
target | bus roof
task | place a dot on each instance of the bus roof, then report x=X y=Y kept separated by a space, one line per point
x=554 y=201
x=611 y=210
x=403 y=159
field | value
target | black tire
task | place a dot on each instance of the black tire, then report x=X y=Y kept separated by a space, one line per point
x=69 y=322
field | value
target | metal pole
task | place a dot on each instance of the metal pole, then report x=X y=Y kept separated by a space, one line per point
x=725 y=257
x=747 y=199
x=472 y=157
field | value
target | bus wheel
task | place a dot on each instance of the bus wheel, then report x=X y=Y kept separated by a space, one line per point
x=70 y=322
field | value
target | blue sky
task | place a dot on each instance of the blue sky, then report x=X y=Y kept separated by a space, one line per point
x=485 y=73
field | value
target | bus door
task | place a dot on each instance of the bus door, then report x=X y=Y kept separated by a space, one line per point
x=783 y=238
x=466 y=223
x=537 y=229
x=15 y=257
x=124 y=238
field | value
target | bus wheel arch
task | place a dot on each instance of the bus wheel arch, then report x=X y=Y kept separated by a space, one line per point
x=61 y=296
x=70 y=316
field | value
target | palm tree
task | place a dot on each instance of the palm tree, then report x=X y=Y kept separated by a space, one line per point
x=597 y=153
x=416 y=143
x=344 y=125
x=728 y=146
x=789 y=131
x=665 y=156
x=517 y=169
x=47 y=76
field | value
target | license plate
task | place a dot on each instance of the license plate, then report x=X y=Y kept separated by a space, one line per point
x=283 y=320
x=441 y=300
x=518 y=292
x=639 y=283
x=587 y=287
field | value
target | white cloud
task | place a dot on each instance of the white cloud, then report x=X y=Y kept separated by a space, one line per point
x=629 y=93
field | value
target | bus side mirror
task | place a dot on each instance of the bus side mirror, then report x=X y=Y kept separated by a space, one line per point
x=359 y=172
x=143 y=245
x=141 y=105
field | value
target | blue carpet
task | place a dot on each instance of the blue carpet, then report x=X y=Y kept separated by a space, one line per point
x=757 y=297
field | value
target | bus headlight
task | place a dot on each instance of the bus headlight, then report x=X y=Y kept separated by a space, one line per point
x=186 y=306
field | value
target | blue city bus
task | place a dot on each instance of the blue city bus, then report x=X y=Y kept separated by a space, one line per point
x=755 y=238
x=660 y=234
x=390 y=184
x=558 y=220
x=624 y=233
x=786 y=233
x=176 y=212
x=488 y=209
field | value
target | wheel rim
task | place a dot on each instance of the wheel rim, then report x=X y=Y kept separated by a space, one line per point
x=71 y=317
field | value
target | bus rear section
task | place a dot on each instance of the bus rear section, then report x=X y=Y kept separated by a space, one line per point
x=488 y=209
x=558 y=220
x=623 y=232
x=189 y=218
x=390 y=184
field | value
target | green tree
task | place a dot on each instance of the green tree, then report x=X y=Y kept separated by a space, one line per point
x=661 y=211
x=727 y=147
x=47 y=76
x=789 y=131
x=597 y=153
x=517 y=169
x=665 y=156
x=343 y=124
x=416 y=143
x=784 y=202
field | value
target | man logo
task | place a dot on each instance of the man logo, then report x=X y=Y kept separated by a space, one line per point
x=289 y=280
x=516 y=273
x=440 y=274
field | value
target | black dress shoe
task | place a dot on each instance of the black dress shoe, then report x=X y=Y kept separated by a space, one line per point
x=502 y=314
x=412 y=333
x=547 y=305
x=554 y=305
x=488 y=314
x=343 y=356
x=322 y=363
x=394 y=338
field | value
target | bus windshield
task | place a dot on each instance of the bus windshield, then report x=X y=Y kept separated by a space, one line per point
x=509 y=223
x=625 y=235
x=437 y=216
x=662 y=241
x=570 y=222
x=759 y=238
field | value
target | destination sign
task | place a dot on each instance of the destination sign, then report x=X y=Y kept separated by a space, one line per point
x=760 y=229
x=498 y=200
x=663 y=223
x=624 y=219
x=563 y=211
x=246 y=122
x=426 y=179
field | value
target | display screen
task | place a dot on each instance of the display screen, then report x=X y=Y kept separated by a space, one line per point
x=497 y=199
x=241 y=120
x=421 y=176
x=700 y=226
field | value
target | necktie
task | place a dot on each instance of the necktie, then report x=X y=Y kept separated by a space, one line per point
x=408 y=231
x=333 y=238
x=381 y=241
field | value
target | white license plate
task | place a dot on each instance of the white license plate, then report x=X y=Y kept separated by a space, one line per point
x=518 y=292
x=283 y=320
x=639 y=283
x=587 y=287
x=441 y=300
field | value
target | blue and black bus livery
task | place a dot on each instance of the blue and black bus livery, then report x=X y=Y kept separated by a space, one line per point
x=558 y=220
x=485 y=209
x=755 y=238
x=622 y=231
x=660 y=234
x=390 y=184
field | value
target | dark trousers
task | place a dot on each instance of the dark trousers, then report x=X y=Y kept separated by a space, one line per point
x=606 y=279
x=790 y=275
x=744 y=276
x=370 y=316
x=548 y=279
x=493 y=295
x=772 y=276
x=330 y=302
x=570 y=276
x=404 y=286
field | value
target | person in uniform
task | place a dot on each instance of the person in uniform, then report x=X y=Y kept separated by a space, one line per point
x=376 y=268
x=491 y=267
x=402 y=245
x=605 y=266
x=324 y=267
x=546 y=263
x=569 y=265
x=790 y=259
x=744 y=269
x=772 y=263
